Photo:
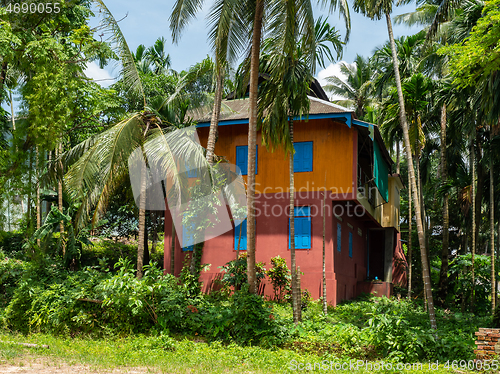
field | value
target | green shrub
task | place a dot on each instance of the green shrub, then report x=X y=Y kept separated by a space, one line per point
x=280 y=278
x=235 y=272
x=11 y=271
x=11 y=243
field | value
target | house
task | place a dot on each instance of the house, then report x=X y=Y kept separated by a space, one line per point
x=335 y=152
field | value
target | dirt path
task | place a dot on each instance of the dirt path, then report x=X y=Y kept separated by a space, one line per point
x=44 y=366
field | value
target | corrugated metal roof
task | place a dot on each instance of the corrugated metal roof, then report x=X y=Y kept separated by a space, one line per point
x=238 y=109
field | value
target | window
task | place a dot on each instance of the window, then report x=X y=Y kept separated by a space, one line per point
x=242 y=158
x=191 y=172
x=303 y=157
x=188 y=237
x=350 y=244
x=339 y=237
x=243 y=241
x=302 y=228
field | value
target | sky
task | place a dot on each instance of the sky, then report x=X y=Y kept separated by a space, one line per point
x=142 y=22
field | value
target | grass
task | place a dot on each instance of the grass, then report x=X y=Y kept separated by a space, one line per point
x=185 y=356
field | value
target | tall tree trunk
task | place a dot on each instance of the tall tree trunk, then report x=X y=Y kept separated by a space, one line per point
x=147 y=257
x=492 y=225
x=413 y=184
x=29 y=221
x=154 y=223
x=215 y=116
x=410 y=229
x=295 y=289
x=38 y=208
x=60 y=199
x=398 y=158
x=252 y=140
x=142 y=225
x=325 y=306
x=480 y=181
x=172 y=249
x=473 y=198
x=12 y=116
x=443 y=274
x=239 y=242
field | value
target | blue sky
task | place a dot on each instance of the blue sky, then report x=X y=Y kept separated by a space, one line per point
x=144 y=22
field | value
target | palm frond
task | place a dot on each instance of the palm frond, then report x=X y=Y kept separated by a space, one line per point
x=92 y=178
x=129 y=72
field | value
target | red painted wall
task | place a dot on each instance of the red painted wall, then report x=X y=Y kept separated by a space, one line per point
x=342 y=271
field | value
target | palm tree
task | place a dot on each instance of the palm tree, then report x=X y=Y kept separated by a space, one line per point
x=357 y=89
x=99 y=164
x=375 y=10
x=140 y=59
x=283 y=96
x=156 y=56
x=237 y=15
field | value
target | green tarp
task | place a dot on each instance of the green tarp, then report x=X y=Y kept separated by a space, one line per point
x=380 y=172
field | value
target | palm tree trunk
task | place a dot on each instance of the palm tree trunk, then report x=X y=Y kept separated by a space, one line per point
x=443 y=274
x=473 y=198
x=325 y=306
x=154 y=223
x=29 y=222
x=492 y=226
x=60 y=201
x=38 y=210
x=215 y=117
x=239 y=242
x=252 y=140
x=413 y=184
x=398 y=161
x=295 y=290
x=142 y=225
x=12 y=116
x=172 y=250
x=410 y=229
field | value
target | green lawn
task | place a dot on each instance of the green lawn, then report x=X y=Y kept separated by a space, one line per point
x=183 y=356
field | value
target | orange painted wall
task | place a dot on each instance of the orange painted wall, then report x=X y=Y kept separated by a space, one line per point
x=332 y=153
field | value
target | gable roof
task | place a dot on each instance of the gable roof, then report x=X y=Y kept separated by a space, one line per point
x=238 y=109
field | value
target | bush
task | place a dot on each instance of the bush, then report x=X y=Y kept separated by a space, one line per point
x=11 y=243
x=11 y=271
x=235 y=272
x=280 y=278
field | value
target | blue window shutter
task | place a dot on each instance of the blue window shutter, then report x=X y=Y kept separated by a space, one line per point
x=350 y=244
x=302 y=211
x=303 y=158
x=306 y=232
x=302 y=233
x=241 y=159
x=339 y=237
x=187 y=239
x=243 y=241
x=191 y=173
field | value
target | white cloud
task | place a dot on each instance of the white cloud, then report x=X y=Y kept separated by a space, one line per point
x=332 y=69
x=101 y=76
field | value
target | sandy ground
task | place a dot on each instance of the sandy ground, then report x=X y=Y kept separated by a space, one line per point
x=44 y=366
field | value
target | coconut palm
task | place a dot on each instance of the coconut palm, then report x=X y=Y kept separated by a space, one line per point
x=357 y=89
x=234 y=16
x=157 y=56
x=282 y=97
x=376 y=10
x=99 y=164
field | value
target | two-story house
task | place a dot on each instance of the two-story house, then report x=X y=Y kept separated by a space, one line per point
x=336 y=153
